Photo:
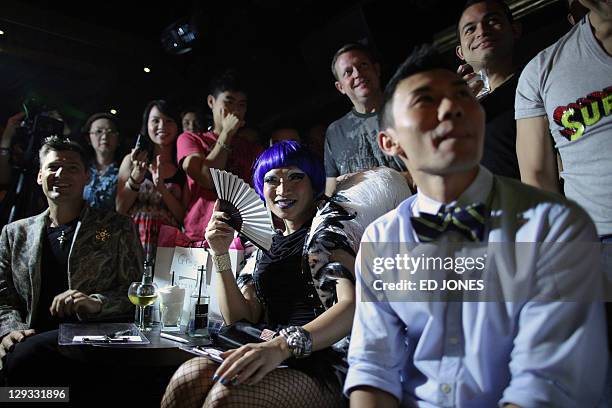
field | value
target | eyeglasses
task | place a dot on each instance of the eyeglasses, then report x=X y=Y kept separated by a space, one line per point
x=100 y=132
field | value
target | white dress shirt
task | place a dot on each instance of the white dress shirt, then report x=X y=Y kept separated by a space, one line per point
x=483 y=354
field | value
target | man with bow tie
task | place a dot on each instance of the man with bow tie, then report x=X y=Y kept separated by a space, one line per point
x=526 y=349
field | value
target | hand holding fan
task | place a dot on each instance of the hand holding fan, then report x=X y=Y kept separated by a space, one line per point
x=248 y=214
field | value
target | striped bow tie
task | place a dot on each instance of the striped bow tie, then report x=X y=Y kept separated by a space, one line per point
x=468 y=221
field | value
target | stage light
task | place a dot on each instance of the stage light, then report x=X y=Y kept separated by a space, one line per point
x=113 y=111
x=147 y=69
x=1 y=32
x=179 y=37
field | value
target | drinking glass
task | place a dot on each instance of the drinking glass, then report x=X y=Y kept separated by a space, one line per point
x=482 y=76
x=142 y=295
x=171 y=307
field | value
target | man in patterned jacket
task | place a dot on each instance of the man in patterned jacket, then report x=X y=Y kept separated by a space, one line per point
x=70 y=263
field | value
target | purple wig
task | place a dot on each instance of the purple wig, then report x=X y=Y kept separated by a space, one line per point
x=284 y=154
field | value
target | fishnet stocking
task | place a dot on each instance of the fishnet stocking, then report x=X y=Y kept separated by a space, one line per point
x=281 y=388
x=190 y=384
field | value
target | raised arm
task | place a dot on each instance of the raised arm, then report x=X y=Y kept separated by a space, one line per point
x=536 y=156
x=193 y=165
x=234 y=304
x=197 y=165
x=131 y=175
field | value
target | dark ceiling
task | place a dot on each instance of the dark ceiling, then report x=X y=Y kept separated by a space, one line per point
x=85 y=57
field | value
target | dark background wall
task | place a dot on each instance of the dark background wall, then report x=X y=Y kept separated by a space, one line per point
x=86 y=57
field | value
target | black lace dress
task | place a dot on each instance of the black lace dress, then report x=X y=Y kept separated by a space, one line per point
x=288 y=299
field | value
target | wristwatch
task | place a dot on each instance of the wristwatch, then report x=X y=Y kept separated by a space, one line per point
x=298 y=340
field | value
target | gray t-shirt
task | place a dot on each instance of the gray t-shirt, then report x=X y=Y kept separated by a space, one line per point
x=351 y=145
x=571 y=83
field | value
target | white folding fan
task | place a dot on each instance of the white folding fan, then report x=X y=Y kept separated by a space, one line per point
x=248 y=214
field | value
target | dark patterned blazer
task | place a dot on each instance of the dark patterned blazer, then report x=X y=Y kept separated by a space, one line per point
x=105 y=257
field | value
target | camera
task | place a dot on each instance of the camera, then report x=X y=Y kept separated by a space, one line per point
x=25 y=198
x=41 y=121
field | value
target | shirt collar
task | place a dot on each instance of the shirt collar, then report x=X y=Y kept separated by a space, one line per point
x=477 y=192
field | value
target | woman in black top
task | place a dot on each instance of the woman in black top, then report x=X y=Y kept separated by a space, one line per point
x=281 y=292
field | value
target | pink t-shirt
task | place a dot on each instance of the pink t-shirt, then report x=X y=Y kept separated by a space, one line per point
x=202 y=200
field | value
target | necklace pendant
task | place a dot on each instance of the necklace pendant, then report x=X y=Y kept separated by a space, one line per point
x=62 y=239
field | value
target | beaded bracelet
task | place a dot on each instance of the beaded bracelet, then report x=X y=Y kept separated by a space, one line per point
x=222 y=262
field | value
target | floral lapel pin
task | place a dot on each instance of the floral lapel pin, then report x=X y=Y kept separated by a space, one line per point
x=102 y=235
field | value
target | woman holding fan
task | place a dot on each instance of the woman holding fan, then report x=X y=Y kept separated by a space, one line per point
x=280 y=292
